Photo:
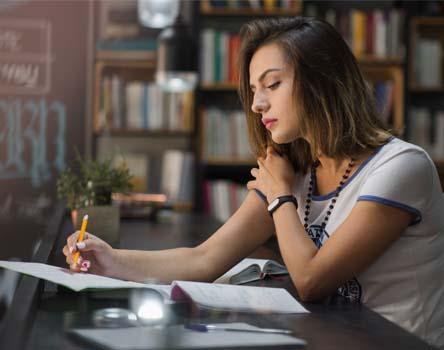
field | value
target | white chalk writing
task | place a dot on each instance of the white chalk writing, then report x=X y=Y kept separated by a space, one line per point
x=29 y=148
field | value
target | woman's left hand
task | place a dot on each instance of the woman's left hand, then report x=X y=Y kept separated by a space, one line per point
x=275 y=176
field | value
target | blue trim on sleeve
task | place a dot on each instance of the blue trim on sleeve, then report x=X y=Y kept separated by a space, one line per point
x=414 y=211
x=262 y=196
x=362 y=166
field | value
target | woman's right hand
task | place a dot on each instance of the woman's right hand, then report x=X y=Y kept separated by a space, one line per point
x=96 y=256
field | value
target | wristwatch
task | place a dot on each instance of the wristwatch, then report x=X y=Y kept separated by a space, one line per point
x=279 y=201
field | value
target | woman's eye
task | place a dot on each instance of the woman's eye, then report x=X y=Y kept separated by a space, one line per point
x=274 y=85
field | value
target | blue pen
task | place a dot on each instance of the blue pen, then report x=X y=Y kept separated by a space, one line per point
x=200 y=327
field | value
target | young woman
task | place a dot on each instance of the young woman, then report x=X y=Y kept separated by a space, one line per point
x=355 y=210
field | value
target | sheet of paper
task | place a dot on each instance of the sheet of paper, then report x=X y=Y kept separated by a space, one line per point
x=225 y=278
x=248 y=298
x=177 y=337
x=76 y=281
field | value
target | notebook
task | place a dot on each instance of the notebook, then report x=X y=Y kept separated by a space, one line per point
x=205 y=295
x=249 y=270
x=178 y=337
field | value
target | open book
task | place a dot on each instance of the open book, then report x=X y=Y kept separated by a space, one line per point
x=249 y=270
x=205 y=295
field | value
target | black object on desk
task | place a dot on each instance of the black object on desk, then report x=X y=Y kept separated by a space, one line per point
x=328 y=326
x=19 y=314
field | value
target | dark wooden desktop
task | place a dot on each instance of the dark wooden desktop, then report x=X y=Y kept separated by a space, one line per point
x=332 y=325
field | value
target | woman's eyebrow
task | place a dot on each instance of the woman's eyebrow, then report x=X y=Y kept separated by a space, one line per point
x=262 y=76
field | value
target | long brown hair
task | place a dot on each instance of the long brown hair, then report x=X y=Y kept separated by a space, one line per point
x=337 y=110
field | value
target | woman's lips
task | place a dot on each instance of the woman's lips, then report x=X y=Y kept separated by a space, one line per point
x=268 y=122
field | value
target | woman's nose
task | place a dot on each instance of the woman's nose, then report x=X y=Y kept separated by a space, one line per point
x=260 y=104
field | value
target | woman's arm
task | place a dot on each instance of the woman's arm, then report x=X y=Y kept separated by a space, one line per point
x=358 y=241
x=248 y=228
x=367 y=232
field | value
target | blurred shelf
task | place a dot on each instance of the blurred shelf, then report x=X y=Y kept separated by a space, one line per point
x=249 y=12
x=229 y=162
x=219 y=87
x=381 y=60
x=142 y=132
x=420 y=89
x=148 y=57
x=438 y=20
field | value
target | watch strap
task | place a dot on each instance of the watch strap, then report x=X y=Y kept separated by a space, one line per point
x=282 y=200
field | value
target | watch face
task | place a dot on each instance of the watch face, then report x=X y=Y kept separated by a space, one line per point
x=273 y=204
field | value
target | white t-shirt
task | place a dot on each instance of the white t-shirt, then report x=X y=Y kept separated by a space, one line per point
x=406 y=283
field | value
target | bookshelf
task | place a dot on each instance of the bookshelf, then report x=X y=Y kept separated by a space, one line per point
x=426 y=85
x=155 y=140
x=225 y=168
x=380 y=53
x=374 y=32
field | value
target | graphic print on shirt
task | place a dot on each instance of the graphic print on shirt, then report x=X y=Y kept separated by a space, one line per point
x=351 y=290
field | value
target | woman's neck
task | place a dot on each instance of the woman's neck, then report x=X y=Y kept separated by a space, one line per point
x=332 y=165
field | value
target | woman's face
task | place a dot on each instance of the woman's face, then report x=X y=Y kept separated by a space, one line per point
x=271 y=81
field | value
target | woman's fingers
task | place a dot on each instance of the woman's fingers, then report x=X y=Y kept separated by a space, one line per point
x=71 y=242
x=89 y=245
x=251 y=185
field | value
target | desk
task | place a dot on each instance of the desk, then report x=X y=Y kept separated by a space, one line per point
x=328 y=326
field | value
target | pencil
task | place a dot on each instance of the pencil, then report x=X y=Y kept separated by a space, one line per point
x=81 y=237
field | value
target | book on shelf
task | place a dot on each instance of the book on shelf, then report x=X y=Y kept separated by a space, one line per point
x=249 y=270
x=137 y=105
x=427 y=130
x=225 y=134
x=218 y=56
x=429 y=63
x=170 y=173
x=177 y=180
x=204 y=295
x=221 y=198
x=372 y=32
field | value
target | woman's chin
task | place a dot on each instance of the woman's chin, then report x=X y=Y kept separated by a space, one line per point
x=281 y=139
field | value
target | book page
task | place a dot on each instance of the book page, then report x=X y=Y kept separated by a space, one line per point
x=242 y=298
x=76 y=281
x=245 y=263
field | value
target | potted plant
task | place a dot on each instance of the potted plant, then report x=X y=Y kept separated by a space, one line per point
x=89 y=191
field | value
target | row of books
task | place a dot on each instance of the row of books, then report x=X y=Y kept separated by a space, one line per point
x=428 y=63
x=374 y=32
x=224 y=134
x=170 y=173
x=218 y=56
x=221 y=198
x=251 y=4
x=427 y=130
x=137 y=105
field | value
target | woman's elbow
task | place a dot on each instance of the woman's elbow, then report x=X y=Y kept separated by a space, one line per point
x=309 y=290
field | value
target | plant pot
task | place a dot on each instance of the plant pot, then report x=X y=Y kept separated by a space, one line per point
x=103 y=222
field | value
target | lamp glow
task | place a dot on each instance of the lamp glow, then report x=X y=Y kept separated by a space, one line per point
x=157 y=13
x=150 y=310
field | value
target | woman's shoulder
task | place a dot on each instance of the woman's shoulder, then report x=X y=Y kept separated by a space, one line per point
x=401 y=153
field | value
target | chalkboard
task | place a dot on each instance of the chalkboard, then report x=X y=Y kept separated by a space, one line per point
x=45 y=60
